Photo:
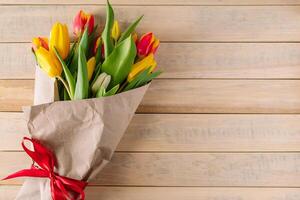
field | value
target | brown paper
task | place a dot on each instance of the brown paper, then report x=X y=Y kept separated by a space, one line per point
x=83 y=134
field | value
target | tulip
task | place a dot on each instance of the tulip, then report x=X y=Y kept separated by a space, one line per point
x=91 y=67
x=40 y=42
x=59 y=39
x=115 y=33
x=147 y=44
x=134 y=37
x=97 y=44
x=147 y=62
x=102 y=81
x=48 y=62
x=82 y=20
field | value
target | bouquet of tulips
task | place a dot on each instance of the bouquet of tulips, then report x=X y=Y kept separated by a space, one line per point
x=96 y=67
x=104 y=78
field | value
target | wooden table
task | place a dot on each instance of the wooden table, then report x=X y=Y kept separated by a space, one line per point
x=223 y=120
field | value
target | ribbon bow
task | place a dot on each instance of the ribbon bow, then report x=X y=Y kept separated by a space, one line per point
x=62 y=187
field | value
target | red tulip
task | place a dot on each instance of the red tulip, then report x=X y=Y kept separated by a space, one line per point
x=82 y=20
x=147 y=44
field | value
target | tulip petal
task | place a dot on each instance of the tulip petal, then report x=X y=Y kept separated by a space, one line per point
x=91 y=67
x=90 y=24
x=115 y=33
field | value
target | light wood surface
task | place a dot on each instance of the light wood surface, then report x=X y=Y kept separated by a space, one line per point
x=153 y=2
x=177 y=193
x=221 y=123
x=185 y=169
x=189 y=60
x=188 y=133
x=190 y=96
x=187 y=24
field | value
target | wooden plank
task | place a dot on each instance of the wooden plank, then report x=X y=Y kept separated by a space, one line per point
x=222 y=96
x=12 y=94
x=187 y=193
x=185 y=169
x=190 y=96
x=187 y=133
x=153 y=2
x=193 y=23
x=189 y=60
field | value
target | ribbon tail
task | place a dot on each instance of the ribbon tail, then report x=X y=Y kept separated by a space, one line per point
x=76 y=186
x=28 y=173
x=58 y=191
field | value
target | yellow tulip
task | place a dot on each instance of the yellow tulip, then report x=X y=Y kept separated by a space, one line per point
x=115 y=32
x=59 y=39
x=48 y=62
x=147 y=62
x=40 y=42
x=91 y=67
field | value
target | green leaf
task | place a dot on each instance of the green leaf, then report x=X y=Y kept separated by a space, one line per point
x=98 y=55
x=84 y=45
x=120 y=61
x=136 y=80
x=84 y=41
x=97 y=73
x=68 y=60
x=68 y=75
x=74 y=62
x=65 y=95
x=148 y=78
x=130 y=29
x=106 y=34
x=82 y=84
x=112 y=91
x=100 y=92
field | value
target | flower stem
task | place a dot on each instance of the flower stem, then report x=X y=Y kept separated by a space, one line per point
x=66 y=85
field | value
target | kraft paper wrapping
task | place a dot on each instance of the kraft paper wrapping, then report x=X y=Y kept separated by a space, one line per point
x=83 y=134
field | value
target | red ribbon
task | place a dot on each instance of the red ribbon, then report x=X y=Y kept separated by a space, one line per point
x=62 y=187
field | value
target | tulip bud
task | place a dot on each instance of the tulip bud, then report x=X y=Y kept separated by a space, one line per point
x=147 y=44
x=134 y=37
x=91 y=67
x=97 y=44
x=40 y=42
x=147 y=62
x=82 y=20
x=99 y=82
x=106 y=81
x=48 y=62
x=115 y=32
x=59 y=39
